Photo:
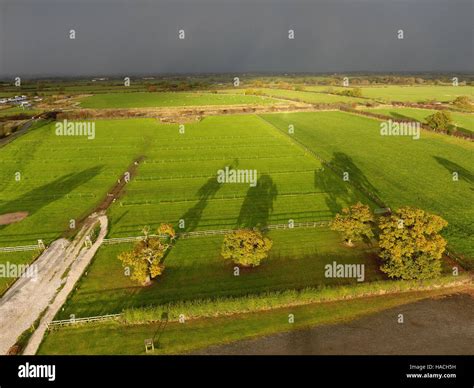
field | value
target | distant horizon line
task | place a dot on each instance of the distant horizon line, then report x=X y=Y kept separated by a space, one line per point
x=9 y=77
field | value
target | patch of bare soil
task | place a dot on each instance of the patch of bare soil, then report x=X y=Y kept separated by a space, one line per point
x=11 y=218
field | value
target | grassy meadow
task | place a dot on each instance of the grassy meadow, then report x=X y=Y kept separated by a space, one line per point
x=167 y=99
x=17 y=110
x=308 y=96
x=398 y=169
x=178 y=180
x=62 y=177
x=409 y=93
x=57 y=179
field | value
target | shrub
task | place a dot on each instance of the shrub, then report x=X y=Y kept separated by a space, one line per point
x=463 y=102
x=439 y=121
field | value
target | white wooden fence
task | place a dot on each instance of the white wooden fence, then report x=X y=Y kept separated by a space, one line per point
x=75 y=321
x=22 y=248
x=198 y=233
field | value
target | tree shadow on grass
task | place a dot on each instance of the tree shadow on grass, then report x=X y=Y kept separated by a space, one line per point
x=399 y=116
x=258 y=204
x=337 y=193
x=34 y=200
x=340 y=193
x=463 y=173
x=193 y=216
x=206 y=192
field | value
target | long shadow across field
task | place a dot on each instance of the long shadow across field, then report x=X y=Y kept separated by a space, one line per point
x=330 y=180
x=344 y=163
x=399 y=116
x=258 y=204
x=207 y=191
x=34 y=200
x=463 y=173
x=193 y=216
x=336 y=193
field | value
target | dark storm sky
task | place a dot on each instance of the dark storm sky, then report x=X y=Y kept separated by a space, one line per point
x=120 y=37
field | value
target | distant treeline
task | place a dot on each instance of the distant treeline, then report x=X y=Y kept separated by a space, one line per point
x=190 y=83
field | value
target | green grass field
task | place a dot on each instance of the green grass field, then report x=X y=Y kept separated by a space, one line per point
x=411 y=93
x=400 y=170
x=63 y=178
x=113 y=338
x=57 y=179
x=311 y=97
x=463 y=121
x=149 y=100
x=178 y=180
x=196 y=270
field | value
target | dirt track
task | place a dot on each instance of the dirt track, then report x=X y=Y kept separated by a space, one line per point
x=432 y=326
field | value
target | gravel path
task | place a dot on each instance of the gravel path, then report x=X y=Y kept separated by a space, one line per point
x=24 y=302
x=431 y=326
x=80 y=262
x=21 y=305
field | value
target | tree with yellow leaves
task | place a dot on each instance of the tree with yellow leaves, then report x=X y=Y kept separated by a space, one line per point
x=145 y=260
x=246 y=247
x=355 y=223
x=166 y=232
x=410 y=244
